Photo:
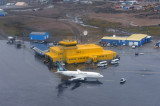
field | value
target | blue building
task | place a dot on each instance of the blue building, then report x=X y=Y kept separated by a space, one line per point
x=114 y=40
x=39 y=36
x=134 y=39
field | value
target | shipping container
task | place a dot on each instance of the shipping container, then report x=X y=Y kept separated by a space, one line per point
x=39 y=36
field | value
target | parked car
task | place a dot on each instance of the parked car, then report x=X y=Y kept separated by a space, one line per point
x=133 y=46
x=102 y=64
x=123 y=80
x=115 y=61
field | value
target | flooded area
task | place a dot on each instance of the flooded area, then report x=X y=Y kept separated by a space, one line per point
x=26 y=81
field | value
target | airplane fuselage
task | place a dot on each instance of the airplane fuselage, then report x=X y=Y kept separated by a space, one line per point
x=81 y=74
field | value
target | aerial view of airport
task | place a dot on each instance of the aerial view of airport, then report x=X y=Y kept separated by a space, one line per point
x=79 y=52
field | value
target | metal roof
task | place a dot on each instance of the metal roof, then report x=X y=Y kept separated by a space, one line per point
x=37 y=33
x=115 y=38
x=88 y=46
x=137 y=37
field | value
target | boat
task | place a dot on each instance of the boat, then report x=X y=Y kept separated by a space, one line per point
x=123 y=80
x=102 y=64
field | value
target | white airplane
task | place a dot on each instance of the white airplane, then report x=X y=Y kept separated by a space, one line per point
x=80 y=75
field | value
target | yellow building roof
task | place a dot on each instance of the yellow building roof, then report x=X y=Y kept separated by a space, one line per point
x=88 y=46
x=115 y=38
x=132 y=37
x=68 y=42
x=136 y=37
x=56 y=48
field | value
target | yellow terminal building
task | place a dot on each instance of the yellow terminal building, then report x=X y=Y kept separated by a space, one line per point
x=70 y=52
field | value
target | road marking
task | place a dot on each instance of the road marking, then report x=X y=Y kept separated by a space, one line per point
x=109 y=80
x=140 y=72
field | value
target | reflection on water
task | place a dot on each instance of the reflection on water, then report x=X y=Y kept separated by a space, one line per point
x=72 y=85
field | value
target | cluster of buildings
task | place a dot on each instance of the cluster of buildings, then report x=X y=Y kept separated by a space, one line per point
x=134 y=4
x=70 y=51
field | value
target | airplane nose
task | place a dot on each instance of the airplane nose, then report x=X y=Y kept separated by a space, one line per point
x=101 y=76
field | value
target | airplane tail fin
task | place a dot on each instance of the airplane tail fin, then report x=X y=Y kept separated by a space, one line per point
x=78 y=70
x=60 y=67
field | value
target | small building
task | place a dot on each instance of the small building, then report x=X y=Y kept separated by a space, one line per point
x=21 y=4
x=39 y=36
x=134 y=39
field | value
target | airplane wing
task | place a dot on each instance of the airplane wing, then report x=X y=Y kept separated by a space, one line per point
x=77 y=78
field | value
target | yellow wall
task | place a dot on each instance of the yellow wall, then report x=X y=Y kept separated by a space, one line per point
x=80 y=53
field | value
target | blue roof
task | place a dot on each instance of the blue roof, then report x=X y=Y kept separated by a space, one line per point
x=41 y=46
x=37 y=33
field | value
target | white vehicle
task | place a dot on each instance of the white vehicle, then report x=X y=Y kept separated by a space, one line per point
x=133 y=46
x=102 y=64
x=141 y=53
x=80 y=75
x=122 y=80
x=115 y=61
x=10 y=40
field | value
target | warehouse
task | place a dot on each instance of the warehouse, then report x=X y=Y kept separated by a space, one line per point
x=39 y=36
x=114 y=40
x=134 y=39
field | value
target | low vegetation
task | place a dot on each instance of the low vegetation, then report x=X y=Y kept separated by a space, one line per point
x=101 y=23
x=151 y=30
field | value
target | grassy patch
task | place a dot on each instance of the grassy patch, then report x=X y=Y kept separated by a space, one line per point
x=2 y=22
x=58 y=32
x=101 y=23
x=151 y=30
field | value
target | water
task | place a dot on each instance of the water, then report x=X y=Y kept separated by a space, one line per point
x=26 y=81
